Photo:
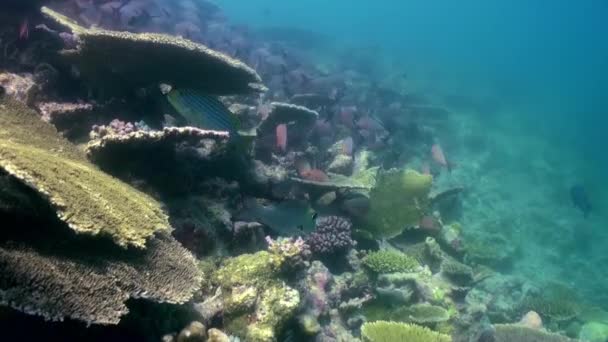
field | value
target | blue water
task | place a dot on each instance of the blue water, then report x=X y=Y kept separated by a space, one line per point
x=543 y=67
x=550 y=55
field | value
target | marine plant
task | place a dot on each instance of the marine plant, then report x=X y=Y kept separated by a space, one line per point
x=388 y=261
x=385 y=331
x=398 y=201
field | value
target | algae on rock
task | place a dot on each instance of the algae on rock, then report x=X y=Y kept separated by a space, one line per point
x=250 y=286
x=88 y=200
x=398 y=201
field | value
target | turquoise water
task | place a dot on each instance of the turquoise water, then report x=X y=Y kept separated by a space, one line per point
x=525 y=80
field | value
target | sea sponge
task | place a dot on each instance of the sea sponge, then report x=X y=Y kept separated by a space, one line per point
x=123 y=61
x=388 y=261
x=520 y=333
x=398 y=201
x=86 y=199
x=383 y=331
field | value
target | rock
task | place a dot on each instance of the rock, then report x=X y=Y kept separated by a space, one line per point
x=532 y=320
x=194 y=332
x=216 y=335
x=341 y=164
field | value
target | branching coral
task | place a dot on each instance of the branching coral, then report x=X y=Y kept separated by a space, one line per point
x=383 y=331
x=89 y=201
x=398 y=201
x=332 y=235
x=386 y=261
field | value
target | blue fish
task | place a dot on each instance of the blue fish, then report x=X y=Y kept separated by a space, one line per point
x=579 y=198
x=203 y=111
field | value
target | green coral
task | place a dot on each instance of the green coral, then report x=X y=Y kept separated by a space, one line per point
x=493 y=250
x=388 y=261
x=555 y=308
x=250 y=286
x=455 y=269
x=594 y=332
x=520 y=333
x=398 y=200
x=423 y=313
x=384 y=331
x=86 y=199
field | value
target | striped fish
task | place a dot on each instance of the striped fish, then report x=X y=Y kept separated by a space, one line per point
x=203 y=111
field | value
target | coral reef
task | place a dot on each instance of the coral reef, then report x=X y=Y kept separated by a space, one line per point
x=89 y=201
x=386 y=261
x=515 y=332
x=95 y=291
x=177 y=61
x=332 y=235
x=383 y=331
x=398 y=201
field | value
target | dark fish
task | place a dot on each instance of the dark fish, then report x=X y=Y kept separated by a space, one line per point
x=288 y=218
x=203 y=111
x=579 y=198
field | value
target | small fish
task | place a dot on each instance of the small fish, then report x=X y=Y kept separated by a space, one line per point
x=281 y=134
x=356 y=206
x=24 y=30
x=308 y=173
x=579 y=198
x=288 y=218
x=314 y=175
x=347 y=146
x=203 y=111
x=439 y=156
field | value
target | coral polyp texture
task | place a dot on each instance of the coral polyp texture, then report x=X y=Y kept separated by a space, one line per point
x=88 y=200
x=398 y=200
x=520 y=333
x=388 y=261
x=384 y=331
x=133 y=60
x=88 y=284
x=332 y=235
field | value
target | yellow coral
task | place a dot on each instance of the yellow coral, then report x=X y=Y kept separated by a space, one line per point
x=398 y=201
x=86 y=199
x=384 y=331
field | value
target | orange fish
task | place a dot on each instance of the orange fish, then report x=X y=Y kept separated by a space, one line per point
x=281 y=133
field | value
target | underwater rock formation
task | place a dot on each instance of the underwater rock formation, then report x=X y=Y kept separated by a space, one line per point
x=88 y=200
x=131 y=60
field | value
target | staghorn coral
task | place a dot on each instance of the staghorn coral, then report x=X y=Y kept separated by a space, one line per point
x=332 y=235
x=383 y=331
x=89 y=201
x=388 y=261
x=90 y=282
x=398 y=201
x=520 y=333
x=134 y=60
